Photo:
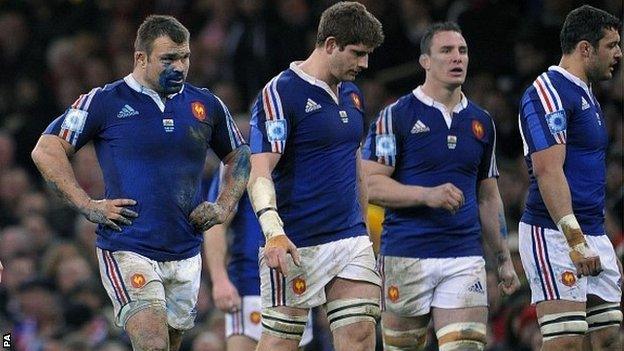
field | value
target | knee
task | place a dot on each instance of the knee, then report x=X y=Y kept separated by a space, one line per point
x=607 y=339
x=462 y=336
x=152 y=344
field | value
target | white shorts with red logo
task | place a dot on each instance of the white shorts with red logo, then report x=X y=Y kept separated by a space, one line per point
x=411 y=286
x=248 y=320
x=551 y=273
x=304 y=287
x=134 y=282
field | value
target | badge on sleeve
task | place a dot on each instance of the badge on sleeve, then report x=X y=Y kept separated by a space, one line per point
x=556 y=121
x=74 y=120
x=276 y=130
x=385 y=145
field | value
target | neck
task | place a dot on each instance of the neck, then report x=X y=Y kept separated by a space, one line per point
x=449 y=96
x=575 y=66
x=317 y=66
x=139 y=77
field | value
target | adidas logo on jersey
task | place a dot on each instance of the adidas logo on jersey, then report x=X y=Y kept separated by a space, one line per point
x=419 y=127
x=127 y=111
x=311 y=106
x=584 y=104
x=477 y=288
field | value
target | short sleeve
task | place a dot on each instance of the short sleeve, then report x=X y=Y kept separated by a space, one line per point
x=269 y=126
x=381 y=143
x=226 y=135
x=543 y=119
x=82 y=121
x=488 y=167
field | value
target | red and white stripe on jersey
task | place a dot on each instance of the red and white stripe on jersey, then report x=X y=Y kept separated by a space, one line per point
x=71 y=131
x=278 y=288
x=542 y=262
x=236 y=137
x=383 y=126
x=272 y=105
x=551 y=102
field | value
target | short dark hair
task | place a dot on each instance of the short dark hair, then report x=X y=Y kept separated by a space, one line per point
x=425 y=41
x=350 y=23
x=586 y=23
x=156 y=26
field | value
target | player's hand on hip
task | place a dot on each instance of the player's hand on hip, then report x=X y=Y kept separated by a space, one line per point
x=206 y=215
x=110 y=212
x=275 y=251
x=508 y=278
x=225 y=296
x=446 y=196
x=586 y=260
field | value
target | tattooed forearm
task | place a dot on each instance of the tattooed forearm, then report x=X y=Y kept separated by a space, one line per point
x=235 y=178
x=502 y=222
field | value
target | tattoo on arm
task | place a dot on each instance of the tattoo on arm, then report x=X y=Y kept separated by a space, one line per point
x=502 y=222
x=236 y=178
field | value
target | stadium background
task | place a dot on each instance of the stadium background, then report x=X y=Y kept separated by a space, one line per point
x=52 y=51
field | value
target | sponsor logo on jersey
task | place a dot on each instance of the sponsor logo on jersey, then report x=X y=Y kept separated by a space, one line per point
x=343 y=116
x=419 y=127
x=584 y=104
x=568 y=278
x=393 y=293
x=168 y=124
x=478 y=130
x=299 y=286
x=127 y=111
x=137 y=280
x=276 y=130
x=451 y=141
x=311 y=105
x=199 y=110
x=357 y=102
x=556 y=121
x=385 y=145
x=255 y=317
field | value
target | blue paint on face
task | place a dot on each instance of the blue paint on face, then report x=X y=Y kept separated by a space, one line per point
x=170 y=80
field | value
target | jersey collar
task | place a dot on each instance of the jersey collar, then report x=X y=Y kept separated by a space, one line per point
x=427 y=100
x=135 y=85
x=571 y=77
x=294 y=66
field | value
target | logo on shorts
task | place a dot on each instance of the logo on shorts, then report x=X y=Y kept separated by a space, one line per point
x=299 y=286
x=477 y=129
x=568 y=278
x=137 y=280
x=393 y=293
x=199 y=110
x=255 y=317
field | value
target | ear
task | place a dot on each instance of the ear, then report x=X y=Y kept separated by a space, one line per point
x=330 y=45
x=584 y=48
x=140 y=59
x=425 y=61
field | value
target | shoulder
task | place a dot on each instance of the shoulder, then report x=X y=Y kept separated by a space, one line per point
x=479 y=112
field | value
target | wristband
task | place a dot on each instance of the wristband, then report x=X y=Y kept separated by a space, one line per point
x=569 y=226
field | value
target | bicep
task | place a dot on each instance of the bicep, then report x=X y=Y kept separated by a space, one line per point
x=53 y=144
x=372 y=168
x=548 y=159
x=262 y=164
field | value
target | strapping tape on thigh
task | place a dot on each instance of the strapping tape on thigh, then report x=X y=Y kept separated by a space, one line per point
x=404 y=340
x=343 y=312
x=563 y=324
x=604 y=316
x=461 y=336
x=283 y=325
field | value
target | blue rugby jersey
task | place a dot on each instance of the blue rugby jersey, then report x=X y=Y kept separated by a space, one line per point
x=246 y=237
x=559 y=108
x=428 y=148
x=153 y=152
x=317 y=134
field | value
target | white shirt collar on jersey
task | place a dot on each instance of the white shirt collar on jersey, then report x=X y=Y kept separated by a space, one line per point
x=135 y=85
x=294 y=66
x=574 y=79
x=427 y=100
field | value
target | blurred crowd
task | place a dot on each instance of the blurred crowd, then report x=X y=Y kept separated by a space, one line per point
x=53 y=50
